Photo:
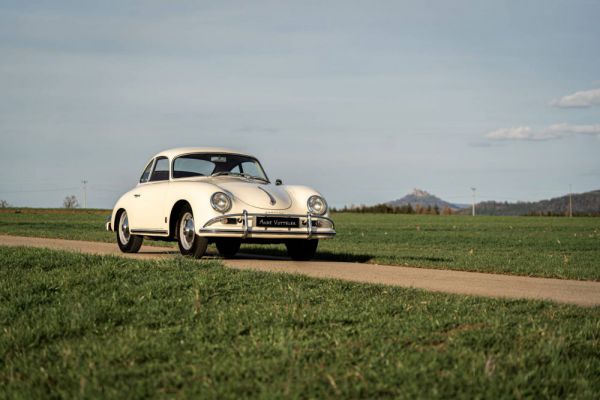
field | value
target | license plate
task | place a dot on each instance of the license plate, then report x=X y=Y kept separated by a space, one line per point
x=277 y=222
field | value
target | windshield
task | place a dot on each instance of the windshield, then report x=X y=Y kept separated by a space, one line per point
x=213 y=164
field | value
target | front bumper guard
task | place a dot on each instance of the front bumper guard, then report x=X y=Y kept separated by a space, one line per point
x=247 y=230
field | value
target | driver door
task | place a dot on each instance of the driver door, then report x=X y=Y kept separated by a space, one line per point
x=149 y=201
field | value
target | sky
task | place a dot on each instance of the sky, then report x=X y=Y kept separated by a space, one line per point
x=362 y=100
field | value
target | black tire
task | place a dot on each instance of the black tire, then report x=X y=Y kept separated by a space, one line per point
x=189 y=243
x=302 y=250
x=228 y=247
x=127 y=242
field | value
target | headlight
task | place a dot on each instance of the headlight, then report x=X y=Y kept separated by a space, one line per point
x=221 y=202
x=317 y=205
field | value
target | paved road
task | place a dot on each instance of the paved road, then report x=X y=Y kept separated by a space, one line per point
x=584 y=293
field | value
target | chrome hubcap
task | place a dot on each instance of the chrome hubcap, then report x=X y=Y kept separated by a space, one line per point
x=124 y=233
x=186 y=231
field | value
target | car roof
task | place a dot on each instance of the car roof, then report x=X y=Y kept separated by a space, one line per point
x=172 y=153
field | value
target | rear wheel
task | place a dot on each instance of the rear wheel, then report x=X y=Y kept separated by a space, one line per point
x=128 y=243
x=228 y=247
x=189 y=243
x=302 y=250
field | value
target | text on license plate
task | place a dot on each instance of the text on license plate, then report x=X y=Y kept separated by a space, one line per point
x=277 y=222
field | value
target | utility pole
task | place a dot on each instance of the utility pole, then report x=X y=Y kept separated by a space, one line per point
x=570 y=200
x=473 y=189
x=84 y=193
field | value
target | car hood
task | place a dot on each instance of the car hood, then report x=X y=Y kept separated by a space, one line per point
x=259 y=195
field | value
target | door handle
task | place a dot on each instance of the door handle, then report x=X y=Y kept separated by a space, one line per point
x=136 y=195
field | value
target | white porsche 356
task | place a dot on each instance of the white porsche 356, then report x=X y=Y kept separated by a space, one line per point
x=197 y=196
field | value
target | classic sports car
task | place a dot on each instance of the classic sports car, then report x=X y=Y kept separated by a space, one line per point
x=197 y=196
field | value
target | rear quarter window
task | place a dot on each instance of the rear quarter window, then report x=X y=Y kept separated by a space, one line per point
x=146 y=173
x=161 y=170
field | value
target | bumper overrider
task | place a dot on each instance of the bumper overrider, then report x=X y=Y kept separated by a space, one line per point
x=244 y=225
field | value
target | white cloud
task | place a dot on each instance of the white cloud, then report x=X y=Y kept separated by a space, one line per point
x=555 y=131
x=581 y=99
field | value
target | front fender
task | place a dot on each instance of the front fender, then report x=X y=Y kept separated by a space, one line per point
x=124 y=203
x=197 y=195
x=301 y=194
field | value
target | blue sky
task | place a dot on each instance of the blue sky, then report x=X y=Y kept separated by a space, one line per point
x=362 y=100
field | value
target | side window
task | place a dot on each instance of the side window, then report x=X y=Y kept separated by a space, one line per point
x=146 y=173
x=161 y=170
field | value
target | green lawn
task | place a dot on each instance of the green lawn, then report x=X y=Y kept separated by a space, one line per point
x=56 y=223
x=87 y=326
x=537 y=246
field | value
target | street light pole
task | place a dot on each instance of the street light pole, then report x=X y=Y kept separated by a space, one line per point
x=473 y=189
x=84 y=193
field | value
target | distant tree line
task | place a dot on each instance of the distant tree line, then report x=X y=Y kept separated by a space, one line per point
x=388 y=209
x=584 y=205
x=561 y=214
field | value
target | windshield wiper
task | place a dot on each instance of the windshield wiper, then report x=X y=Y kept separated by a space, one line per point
x=242 y=174
x=252 y=177
x=222 y=173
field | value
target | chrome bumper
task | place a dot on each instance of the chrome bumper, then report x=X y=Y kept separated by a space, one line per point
x=248 y=230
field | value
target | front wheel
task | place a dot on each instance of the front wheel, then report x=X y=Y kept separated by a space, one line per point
x=189 y=243
x=302 y=250
x=127 y=242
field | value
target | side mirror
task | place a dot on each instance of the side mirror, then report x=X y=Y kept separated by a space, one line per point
x=278 y=182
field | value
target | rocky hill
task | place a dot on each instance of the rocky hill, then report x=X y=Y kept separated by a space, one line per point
x=424 y=199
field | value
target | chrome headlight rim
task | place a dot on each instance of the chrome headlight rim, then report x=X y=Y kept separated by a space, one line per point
x=312 y=201
x=221 y=202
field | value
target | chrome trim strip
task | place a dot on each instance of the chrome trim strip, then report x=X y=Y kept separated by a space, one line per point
x=149 y=231
x=309 y=225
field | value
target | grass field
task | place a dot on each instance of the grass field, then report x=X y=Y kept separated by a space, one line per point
x=536 y=246
x=78 y=325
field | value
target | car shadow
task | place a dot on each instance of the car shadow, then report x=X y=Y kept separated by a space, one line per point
x=277 y=254
x=257 y=253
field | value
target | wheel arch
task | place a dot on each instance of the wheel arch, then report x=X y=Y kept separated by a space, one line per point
x=121 y=205
x=175 y=210
x=117 y=215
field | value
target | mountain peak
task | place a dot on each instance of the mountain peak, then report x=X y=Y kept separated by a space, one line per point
x=423 y=198
x=420 y=193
